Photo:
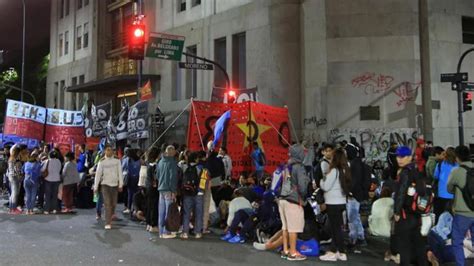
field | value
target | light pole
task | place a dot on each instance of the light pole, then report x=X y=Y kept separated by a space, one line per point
x=23 y=53
x=11 y=87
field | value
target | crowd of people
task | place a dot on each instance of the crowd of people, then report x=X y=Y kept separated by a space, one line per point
x=420 y=201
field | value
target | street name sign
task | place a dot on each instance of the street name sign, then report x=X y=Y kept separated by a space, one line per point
x=454 y=77
x=198 y=66
x=165 y=46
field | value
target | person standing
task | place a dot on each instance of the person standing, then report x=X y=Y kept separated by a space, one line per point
x=51 y=182
x=463 y=220
x=419 y=158
x=437 y=154
x=336 y=186
x=32 y=170
x=259 y=161
x=308 y=160
x=109 y=180
x=392 y=160
x=167 y=177
x=407 y=221
x=227 y=162
x=441 y=176
x=192 y=202
x=151 y=186
x=70 y=177
x=133 y=174
x=15 y=175
x=82 y=169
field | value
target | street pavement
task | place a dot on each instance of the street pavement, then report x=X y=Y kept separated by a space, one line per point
x=81 y=240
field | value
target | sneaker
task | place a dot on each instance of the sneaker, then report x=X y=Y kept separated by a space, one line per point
x=323 y=242
x=198 y=236
x=154 y=230
x=387 y=256
x=329 y=256
x=54 y=212
x=284 y=255
x=46 y=213
x=97 y=217
x=237 y=239
x=395 y=258
x=356 y=249
x=296 y=257
x=16 y=212
x=126 y=211
x=259 y=246
x=184 y=236
x=108 y=227
x=168 y=236
x=148 y=228
x=341 y=256
x=227 y=236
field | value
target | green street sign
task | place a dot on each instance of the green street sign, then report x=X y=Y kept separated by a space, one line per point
x=165 y=46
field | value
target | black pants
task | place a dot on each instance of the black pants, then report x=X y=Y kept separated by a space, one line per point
x=152 y=207
x=41 y=194
x=411 y=243
x=336 y=221
x=440 y=205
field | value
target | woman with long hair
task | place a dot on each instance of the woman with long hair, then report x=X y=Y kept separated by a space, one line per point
x=441 y=175
x=15 y=175
x=336 y=186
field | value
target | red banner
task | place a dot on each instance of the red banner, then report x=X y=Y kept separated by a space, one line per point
x=24 y=120
x=250 y=122
x=64 y=127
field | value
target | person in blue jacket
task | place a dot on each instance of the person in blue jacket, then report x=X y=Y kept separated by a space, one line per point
x=441 y=175
x=259 y=161
x=32 y=170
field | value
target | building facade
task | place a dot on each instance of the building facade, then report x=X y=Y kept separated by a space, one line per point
x=363 y=68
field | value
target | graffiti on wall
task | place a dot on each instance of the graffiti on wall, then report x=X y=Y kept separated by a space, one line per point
x=314 y=120
x=376 y=141
x=406 y=92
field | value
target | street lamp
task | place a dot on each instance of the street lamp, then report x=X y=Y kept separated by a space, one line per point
x=23 y=53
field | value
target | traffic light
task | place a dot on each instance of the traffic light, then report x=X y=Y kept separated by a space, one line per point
x=466 y=101
x=231 y=96
x=136 y=41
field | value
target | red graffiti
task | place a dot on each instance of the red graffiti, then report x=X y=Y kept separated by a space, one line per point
x=373 y=83
x=406 y=92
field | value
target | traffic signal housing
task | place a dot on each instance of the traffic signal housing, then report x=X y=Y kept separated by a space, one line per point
x=136 y=41
x=466 y=101
x=231 y=96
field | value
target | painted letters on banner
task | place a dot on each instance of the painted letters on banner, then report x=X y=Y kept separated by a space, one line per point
x=121 y=123
x=64 y=127
x=138 y=121
x=219 y=95
x=24 y=120
x=99 y=125
x=250 y=122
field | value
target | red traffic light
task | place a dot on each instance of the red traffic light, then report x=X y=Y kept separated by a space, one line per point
x=231 y=96
x=468 y=96
x=466 y=101
x=139 y=32
x=136 y=41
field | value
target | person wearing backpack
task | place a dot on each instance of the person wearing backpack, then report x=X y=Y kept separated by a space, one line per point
x=192 y=202
x=322 y=168
x=461 y=184
x=407 y=220
x=133 y=176
x=336 y=186
x=151 y=187
x=291 y=201
x=259 y=161
x=441 y=176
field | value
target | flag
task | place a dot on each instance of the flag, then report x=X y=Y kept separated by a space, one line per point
x=145 y=92
x=219 y=126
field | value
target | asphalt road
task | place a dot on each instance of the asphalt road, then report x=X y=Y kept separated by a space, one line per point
x=81 y=240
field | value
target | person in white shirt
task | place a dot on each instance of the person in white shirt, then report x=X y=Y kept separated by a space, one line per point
x=227 y=162
x=380 y=221
x=109 y=180
x=52 y=181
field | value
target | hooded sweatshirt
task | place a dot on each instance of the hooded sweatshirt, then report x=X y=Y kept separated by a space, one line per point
x=299 y=179
x=109 y=173
x=167 y=175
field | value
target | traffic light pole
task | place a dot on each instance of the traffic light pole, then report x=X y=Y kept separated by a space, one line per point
x=227 y=79
x=460 y=100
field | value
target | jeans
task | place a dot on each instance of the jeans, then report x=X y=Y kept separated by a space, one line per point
x=14 y=192
x=411 y=243
x=356 y=230
x=336 y=222
x=99 y=203
x=240 y=217
x=132 y=188
x=51 y=195
x=438 y=246
x=461 y=224
x=193 y=204
x=41 y=193
x=166 y=198
x=31 y=189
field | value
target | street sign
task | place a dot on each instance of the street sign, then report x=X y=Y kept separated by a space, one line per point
x=467 y=86
x=454 y=77
x=198 y=66
x=165 y=46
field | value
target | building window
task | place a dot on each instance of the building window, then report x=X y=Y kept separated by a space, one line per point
x=86 y=35
x=61 y=94
x=176 y=73
x=220 y=56
x=86 y=2
x=67 y=7
x=195 y=3
x=66 y=42
x=468 y=30
x=81 y=79
x=74 y=81
x=79 y=4
x=239 y=69
x=55 y=94
x=191 y=74
x=61 y=8
x=181 y=5
x=79 y=37
x=60 y=44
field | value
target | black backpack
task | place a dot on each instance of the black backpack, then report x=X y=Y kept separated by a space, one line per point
x=468 y=189
x=191 y=181
x=318 y=172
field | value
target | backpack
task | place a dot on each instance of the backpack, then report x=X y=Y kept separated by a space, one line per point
x=468 y=189
x=286 y=187
x=191 y=181
x=318 y=172
x=423 y=197
x=277 y=180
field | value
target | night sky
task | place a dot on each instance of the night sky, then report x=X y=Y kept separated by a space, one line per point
x=11 y=23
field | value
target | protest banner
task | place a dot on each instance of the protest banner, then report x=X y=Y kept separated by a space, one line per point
x=64 y=127
x=137 y=123
x=24 y=120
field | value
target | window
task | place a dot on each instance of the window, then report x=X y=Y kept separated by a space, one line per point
x=61 y=94
x=55 y=93
x=81 y=79
x=220 y=57
x=61 y=42
x=368 y=113
x=79 y=37
x=191 y=74
x=468 y=30
x=239 y=69
x=181 y=5
x=66 y=42
x=67 y=7
x=176 y=73
x=195 y=3
x=74 y=81
x=86 y=35
x=86 y=2
x=61 y=8
x=79 y=4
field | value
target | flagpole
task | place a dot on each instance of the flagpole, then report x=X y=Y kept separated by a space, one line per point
x=197 y=124
x=292 y=125
x=281 y=135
